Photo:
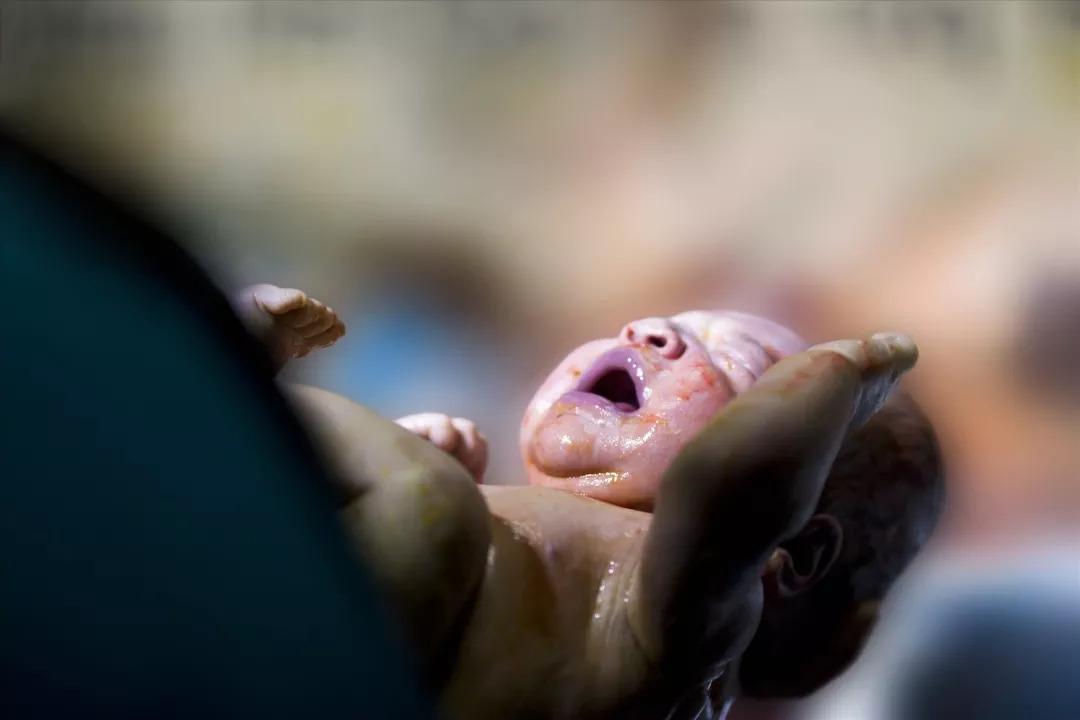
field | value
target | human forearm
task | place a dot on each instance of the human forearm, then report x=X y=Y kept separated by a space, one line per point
x=752 y=479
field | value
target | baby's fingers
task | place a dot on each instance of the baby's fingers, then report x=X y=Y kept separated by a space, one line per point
x=435 y=427
x=473 y=450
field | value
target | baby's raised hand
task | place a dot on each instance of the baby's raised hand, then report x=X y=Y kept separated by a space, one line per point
x=455 y=436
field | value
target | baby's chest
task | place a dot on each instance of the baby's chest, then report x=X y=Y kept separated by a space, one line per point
x=548 y=635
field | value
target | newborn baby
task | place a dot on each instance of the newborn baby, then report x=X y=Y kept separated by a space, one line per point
x=713 y=508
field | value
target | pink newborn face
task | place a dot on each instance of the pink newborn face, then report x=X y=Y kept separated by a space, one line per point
x=613 y=415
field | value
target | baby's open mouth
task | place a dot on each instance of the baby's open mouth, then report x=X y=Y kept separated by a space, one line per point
x=616 y=379
x=618 y=387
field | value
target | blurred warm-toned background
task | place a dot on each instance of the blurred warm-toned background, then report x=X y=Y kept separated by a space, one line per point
x=476 y=187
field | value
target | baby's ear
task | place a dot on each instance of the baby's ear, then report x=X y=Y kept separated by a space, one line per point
x=802 y=561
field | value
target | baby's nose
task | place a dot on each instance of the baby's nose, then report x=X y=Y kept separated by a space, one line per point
x=658 y=332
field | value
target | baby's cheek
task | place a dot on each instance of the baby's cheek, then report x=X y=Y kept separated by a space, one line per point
x=698 y=393
x=702 y=377
x=560 y=445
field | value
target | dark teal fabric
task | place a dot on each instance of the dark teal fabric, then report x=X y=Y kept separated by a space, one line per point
x=167 y=547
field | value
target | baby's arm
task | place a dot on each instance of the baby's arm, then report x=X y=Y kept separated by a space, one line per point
x=290 y=325
x=748 y=481
x=416 y=516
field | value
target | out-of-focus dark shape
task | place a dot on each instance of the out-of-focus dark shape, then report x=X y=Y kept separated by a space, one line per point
x=168 y=550
x=998 y=657
x=989 y=633
x=1049 y=346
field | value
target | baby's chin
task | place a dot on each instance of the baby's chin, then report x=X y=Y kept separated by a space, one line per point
x=625 y=488
x=614 y=457
x=602 y=466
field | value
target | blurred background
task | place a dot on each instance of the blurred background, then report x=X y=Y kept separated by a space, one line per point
x=477 y=187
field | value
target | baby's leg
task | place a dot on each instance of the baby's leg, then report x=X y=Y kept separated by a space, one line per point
x=289 y=323
x=414 y=512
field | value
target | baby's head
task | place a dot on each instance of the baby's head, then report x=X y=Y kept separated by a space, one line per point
x=614 y=414
x=823 y=587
